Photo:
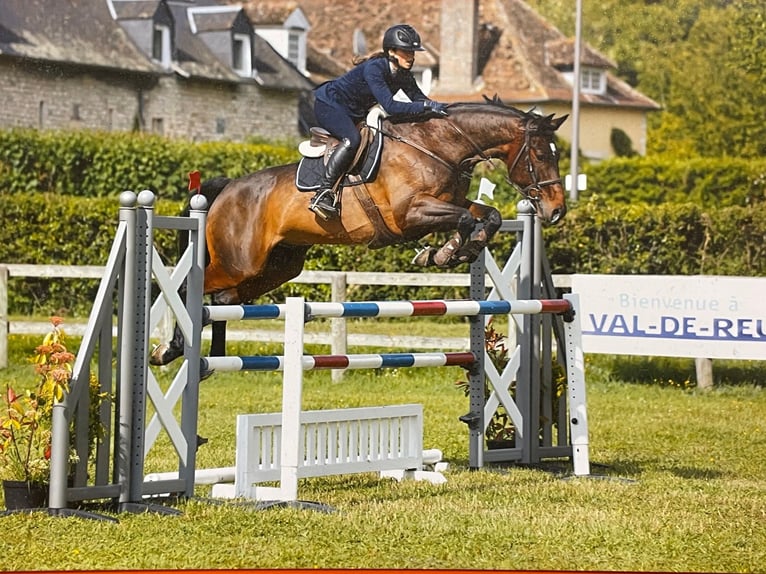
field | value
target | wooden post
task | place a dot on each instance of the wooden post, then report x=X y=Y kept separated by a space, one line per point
x=338 y=331
x=704 y=373
x=3 y=317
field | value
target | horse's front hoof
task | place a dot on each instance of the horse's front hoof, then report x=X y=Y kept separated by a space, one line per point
x=469 y=252
x=424 y=257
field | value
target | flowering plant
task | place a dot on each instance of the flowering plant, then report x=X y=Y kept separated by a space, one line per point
x=26 y=418
x=500 y=428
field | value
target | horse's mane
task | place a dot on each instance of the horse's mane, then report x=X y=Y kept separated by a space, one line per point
x=538 y=121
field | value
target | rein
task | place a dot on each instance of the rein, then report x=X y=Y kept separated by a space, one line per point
x=426 y=151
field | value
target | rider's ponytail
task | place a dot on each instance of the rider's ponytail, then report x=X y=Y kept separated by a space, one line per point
x=356 y=60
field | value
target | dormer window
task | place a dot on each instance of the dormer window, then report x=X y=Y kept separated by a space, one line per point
x=592 y=81
x=242 y=60
x=161 y=45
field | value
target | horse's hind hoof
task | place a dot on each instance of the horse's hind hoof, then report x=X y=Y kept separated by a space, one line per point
x=157 y=356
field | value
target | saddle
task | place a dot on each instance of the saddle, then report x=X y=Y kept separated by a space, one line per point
x=318 y=148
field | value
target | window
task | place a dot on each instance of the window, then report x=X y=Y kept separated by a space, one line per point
x=242 y=60
x=293 y=47
x=76 y=112
x=41 y=109
x=161 y=45
x=158 y=126
x=592 y=81
x=220 y=126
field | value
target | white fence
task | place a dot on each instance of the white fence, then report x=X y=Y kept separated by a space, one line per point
x=337 y=337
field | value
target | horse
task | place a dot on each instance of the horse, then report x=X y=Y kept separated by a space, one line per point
x=259 y=228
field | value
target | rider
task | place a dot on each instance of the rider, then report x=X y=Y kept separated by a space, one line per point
x=341 y=103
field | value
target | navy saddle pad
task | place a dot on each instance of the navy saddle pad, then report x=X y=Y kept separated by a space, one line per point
x=311 y=169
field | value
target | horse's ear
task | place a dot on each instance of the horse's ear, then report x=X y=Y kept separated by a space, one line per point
x=558 y=121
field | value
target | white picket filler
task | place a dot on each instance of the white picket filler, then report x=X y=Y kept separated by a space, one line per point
x=385 y=439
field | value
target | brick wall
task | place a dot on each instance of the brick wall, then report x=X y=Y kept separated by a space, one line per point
x=57 y=98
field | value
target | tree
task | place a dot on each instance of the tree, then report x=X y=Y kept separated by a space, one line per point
x=716 y=96
x=702 y=60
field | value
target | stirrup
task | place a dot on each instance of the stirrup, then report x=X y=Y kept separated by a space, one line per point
x=323 y=205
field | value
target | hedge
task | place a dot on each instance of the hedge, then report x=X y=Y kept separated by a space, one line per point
x=703 y=181
x=93 y=164
x=60 y=189
x=595 y=237
x=98 y=164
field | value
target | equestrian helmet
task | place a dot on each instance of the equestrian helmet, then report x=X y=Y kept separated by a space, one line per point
x=402 y=37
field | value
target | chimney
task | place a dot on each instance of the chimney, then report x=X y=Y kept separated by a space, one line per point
x=458 y=46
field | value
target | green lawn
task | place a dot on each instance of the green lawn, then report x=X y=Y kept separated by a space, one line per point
x=679 y=484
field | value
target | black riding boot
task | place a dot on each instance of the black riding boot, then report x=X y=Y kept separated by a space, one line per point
x=323 y=203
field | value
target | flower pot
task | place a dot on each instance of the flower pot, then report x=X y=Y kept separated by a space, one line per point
x=20 y=494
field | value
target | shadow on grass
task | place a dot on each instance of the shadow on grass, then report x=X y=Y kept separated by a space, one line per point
x=679 y=372
x=634 y=469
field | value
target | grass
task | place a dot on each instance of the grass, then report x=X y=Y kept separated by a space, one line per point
x=678 y=485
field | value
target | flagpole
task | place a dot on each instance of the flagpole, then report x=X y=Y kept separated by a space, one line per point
x=576 y=103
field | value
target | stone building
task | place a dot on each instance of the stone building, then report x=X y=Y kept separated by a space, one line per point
x=192 y=69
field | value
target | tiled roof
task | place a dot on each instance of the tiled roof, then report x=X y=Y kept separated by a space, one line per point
x=194 y=58
x=137 y=9
x=271 y=12
x=521 y=56
x=76 y=31
x=83 y=32
x=274 y=71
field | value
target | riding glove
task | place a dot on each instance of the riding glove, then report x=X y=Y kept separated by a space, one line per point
x=436 y=107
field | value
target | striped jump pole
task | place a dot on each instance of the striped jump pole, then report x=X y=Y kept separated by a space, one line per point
x=465 y=308
x=361 y=361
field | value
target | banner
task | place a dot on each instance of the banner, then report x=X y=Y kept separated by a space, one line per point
x=699 y=316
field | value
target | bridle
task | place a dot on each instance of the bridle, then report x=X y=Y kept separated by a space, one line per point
x=462 y=171
x=536 y=185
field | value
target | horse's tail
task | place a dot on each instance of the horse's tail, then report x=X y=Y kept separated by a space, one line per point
x=210 y=188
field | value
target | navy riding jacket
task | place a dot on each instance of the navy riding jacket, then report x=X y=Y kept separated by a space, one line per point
x=370 y=83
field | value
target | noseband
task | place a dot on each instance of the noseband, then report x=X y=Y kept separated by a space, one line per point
x=536 y=185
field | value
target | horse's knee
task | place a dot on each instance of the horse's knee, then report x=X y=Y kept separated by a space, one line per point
x=492 y=222
x=465 y=224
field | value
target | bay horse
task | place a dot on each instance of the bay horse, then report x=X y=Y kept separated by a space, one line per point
x=259 y=228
